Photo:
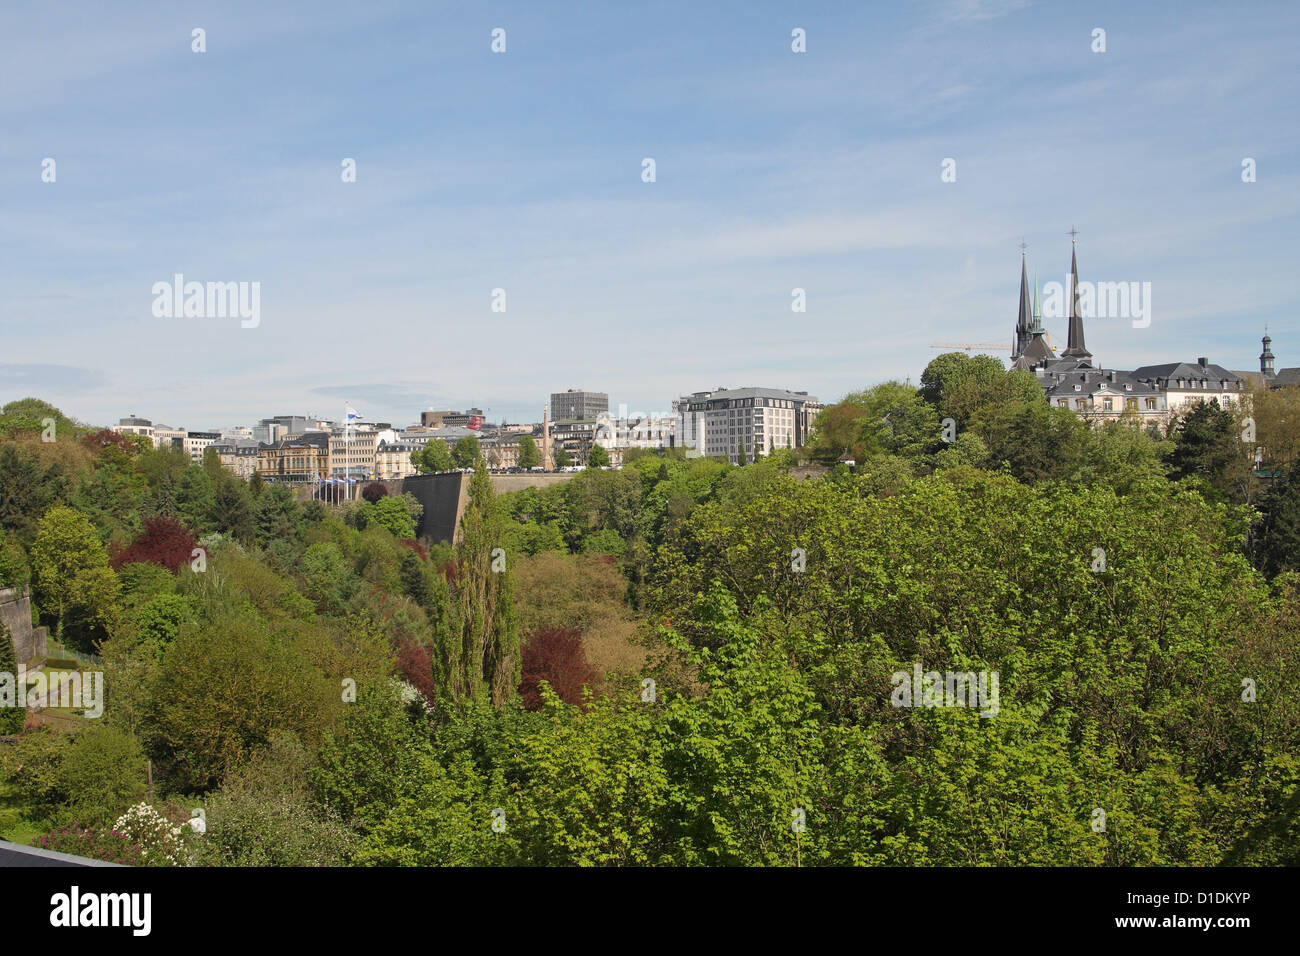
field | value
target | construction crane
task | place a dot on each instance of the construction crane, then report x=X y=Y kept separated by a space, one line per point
x=970 y=346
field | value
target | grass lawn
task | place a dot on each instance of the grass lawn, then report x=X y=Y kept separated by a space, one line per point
x=14 y=827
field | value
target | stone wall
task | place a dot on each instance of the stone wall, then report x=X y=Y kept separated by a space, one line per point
x=16 y=612
x=503 y=483
x=443 y=497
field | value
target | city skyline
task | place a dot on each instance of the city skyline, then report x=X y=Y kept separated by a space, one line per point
x=775 y=170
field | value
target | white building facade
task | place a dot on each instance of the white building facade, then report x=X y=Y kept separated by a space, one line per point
x=725 y=421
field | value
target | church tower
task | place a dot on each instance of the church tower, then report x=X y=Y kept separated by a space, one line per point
x=1031 y=349
x=1266 y=357
x=1075 y=349
x=1025 y=319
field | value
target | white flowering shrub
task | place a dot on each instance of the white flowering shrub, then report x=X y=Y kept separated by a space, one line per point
x=161 y=842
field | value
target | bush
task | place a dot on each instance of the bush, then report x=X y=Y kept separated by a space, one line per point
x=96 y=843
x=164 y=542
x=161 y=842
x=264 y=816
x=102 y=772
x=555 y=655
x=13 y=713
x=415 y=664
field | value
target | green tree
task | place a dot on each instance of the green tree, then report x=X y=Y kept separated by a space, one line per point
x=160 y=619
x=14 y=571
x=30 y=415
x=196 y=500
x=528 y=452
x=329 y=580
x=399 y=514
x=71 y=576
x=433 y=457
x=480 y=659
x=562 y=458
x=465 y=453
x=212 y=465
x=102 y=773
x=264 y=815
x=1208 y=447
x=598 y=457
x=373 y=761
x=1275 y=537
x=232 y=511
x=229 y=685
x=277 y=516
x=13 y=699
x=26 y=491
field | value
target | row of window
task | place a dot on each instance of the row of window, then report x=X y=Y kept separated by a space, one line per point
x=1108 y=404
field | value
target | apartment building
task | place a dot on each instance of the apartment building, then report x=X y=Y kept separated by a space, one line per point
x=134 y=426
x=196 y=442
x=578 y=405
x=759 y=420
x=651 y=432
x=238 y=457
x=164 y=436
x=393 y=459
x=470 y=418
x=297 y=460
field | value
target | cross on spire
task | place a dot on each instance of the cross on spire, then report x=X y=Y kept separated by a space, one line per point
x=1072 y=233
x=1023 y=247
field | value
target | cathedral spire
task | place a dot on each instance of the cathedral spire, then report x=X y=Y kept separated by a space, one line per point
x=1026 y=317
x=1075 y=348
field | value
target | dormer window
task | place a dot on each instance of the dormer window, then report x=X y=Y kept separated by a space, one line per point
x=1077 y=387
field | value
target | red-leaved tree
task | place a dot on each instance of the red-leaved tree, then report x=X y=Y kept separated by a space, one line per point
x=164 y=541
x=107 y=438
x=555 y=655
x=415 y=664
x=374 y=491
x=416 y=547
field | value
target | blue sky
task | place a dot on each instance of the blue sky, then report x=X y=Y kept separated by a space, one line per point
x=522 y=171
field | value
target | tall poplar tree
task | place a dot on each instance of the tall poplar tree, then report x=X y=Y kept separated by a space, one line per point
x=485 y=662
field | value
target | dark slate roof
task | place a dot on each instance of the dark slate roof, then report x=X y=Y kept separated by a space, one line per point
x=1094 y=381
x=1286 y=376
x=320 y=439
x=1186 y=370
x=1256 y=378
x=15 y=854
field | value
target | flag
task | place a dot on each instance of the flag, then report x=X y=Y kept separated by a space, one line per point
x=353 y=414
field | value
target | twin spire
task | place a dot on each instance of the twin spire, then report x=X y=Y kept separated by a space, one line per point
x=1075 y=348
x=1030 y=347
